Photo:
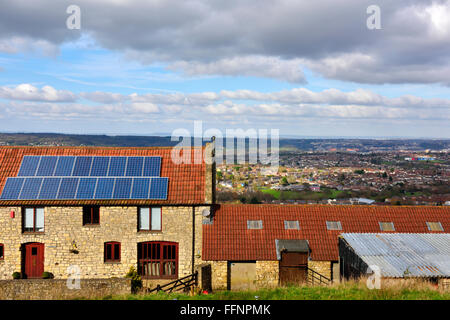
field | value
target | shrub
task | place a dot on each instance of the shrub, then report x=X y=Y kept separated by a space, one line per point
x=47 y=275
x=17 y=275
x=136 y=281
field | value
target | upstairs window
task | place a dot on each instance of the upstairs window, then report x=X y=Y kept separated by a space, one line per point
x=334 y=225
x=91 y=215
x=291 y=225
x=2 y=251
x=149 y=219
x=112 y=251
x=387 y=226
x=33 y=220
x=254 y=224
x=435 y=226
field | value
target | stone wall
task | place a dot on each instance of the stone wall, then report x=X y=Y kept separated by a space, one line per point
x=322 y=267
x=267 y=274
x=51 y=289
x=63 y=225
x=219 y=272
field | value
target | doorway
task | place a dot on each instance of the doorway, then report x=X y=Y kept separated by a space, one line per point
x=33 y=260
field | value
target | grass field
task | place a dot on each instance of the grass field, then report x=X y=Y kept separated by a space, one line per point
x=348 y=291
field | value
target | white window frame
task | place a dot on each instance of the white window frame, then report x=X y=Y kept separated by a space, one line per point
x=153 y=221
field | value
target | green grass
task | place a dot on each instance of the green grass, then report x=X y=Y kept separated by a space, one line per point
x=338 y=292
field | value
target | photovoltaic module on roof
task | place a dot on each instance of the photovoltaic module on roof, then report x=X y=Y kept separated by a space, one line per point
x=60 y=188
x=93 y=166
x=87 y=177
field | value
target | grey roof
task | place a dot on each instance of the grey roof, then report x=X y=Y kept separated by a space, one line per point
x=403 y=254
x=291 y=246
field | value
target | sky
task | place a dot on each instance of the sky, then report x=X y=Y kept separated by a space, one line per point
x=306 y=68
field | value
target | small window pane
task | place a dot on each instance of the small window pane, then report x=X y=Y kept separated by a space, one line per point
x=108 y=251
x=1 y=251
x=117 y=251
x=254 y=224
x=29 y=218
x=435 y=226
x=334 y=225
x=144 y=219
x=40 y=219
x=156 y=218
x=387 y=226
x=291 y=225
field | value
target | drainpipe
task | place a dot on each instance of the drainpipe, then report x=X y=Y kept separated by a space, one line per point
x=193 y=237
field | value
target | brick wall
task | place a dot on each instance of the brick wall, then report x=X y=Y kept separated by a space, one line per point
x=64 y=225
x=50 y=289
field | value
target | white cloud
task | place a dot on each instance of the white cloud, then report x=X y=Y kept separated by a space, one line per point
x=29 y=92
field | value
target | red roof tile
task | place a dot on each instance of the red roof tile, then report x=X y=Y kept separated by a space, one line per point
x=229 y=239
x=186 y=181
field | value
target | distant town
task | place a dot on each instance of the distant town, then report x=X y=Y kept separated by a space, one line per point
x=311 y=171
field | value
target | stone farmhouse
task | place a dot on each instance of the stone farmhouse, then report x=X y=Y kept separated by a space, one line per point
x=104 y=210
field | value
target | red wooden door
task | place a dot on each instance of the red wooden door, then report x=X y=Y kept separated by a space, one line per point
x=34 y=260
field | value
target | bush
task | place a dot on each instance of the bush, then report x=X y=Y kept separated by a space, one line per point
x=136 y=281
x=47 y=275
x=17 y=275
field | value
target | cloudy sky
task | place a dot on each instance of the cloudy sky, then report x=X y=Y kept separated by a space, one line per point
x=308 y=68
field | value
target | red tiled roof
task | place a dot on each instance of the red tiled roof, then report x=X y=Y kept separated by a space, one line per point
x=186 y=181
x=228 y=238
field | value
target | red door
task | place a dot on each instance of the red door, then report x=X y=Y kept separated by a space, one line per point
x=34 y=260
x=293 y=267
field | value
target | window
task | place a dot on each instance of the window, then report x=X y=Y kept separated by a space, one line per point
x=435 y=226
x=149 y=219
x=2 y=250
x=254 y=224
x=158 y=260
x=387 y=226
x=33 y=220
x=291 y=225
x=112 y=251
x=91 y=215
x=334 y=225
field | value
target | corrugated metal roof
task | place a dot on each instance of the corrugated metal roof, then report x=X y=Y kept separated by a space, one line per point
x=403 y=254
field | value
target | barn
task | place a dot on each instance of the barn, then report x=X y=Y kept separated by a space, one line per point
x=268 y=245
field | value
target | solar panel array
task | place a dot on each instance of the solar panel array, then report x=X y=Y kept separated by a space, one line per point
x=85 y=177
x=81 y=166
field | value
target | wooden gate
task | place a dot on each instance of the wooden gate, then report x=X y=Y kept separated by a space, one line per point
x=293 y=267
x=33 y=260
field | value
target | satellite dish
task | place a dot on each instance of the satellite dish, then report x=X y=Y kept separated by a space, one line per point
x=206 y=212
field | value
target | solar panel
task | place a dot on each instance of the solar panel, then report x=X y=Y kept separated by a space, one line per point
x=104 y=188
x=49 y=188
x=82 y=166
x=68 y=188
x=134 y=166
x=29 y=165
x=100 y=166
x=86 y=188
x=64 y=166
x=158 y=188
x=30 y=188
x=87 y=177
x=12 y=188
x=152 y=167
x=140 y=188
x=46 y=166
x=122 y=188
x=117 y=166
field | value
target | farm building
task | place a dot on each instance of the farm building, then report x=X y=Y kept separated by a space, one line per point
x=396 y=255
x=268 y=245
x=101 y=210
x=107 y=209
